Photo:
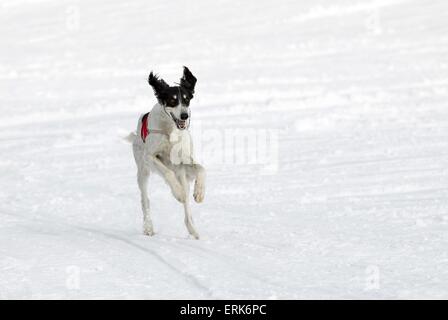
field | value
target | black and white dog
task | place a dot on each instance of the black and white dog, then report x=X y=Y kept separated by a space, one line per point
x=163 y=145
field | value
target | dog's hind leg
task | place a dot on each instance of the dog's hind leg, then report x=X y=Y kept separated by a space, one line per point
x=142 y=179
x=188 y=217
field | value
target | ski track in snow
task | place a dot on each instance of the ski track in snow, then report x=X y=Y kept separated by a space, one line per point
x=356 y=90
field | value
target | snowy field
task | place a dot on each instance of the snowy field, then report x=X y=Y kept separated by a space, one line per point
x=353 y=206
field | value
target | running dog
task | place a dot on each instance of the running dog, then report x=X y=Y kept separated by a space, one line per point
x=162 y=144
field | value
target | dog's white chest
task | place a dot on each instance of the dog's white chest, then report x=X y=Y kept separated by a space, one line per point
x=181 y=147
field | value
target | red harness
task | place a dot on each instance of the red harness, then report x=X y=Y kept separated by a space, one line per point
x=145 y=132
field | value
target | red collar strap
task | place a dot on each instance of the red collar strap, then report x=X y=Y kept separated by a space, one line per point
x=144 y=131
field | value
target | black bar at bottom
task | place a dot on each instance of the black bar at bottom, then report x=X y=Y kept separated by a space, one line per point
x=224 y=309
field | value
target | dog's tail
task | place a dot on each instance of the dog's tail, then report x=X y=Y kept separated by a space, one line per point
x=130 y=137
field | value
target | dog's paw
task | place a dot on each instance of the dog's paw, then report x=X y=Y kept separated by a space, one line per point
x=148 y=229
x=199 y=192
x=195 y=236
x=192 y=231
x=148 y=232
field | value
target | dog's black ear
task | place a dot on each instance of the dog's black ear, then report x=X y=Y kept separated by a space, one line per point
x=188 y=80
x=158 y=85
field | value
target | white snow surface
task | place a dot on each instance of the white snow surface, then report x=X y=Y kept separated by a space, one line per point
x=356 y=90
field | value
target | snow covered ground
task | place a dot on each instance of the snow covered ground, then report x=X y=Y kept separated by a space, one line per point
x=355 y=92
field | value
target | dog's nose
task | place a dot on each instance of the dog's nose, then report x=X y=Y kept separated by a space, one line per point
x=184 y=116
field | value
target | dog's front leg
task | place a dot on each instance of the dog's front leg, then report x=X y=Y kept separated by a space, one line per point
x=199 y=183
x=188 y=216
x=170 y=178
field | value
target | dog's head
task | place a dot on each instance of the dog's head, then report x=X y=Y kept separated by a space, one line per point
x=175 y=100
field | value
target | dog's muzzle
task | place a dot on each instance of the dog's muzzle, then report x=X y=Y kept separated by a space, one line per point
x=181 y=124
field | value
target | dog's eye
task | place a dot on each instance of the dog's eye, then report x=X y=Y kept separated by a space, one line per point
x=172 y=103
